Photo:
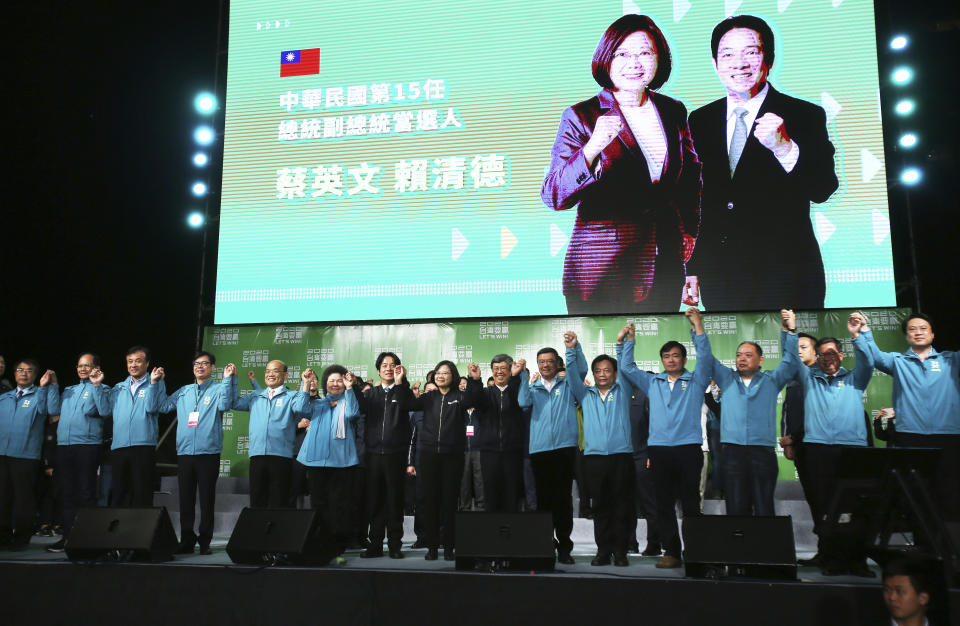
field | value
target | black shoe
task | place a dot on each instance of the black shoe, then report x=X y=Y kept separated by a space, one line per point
x=448 y=554
x=565 y=558
x=601 y=559
x=834 y=570
x=634 y=548
x=185 y=548
x=56 y=547
x=621 y=560
x=652 y=549
x=395 y=553
x=862 y=570
x=371 y=553
x=431 y=554
x=418 y=545
x=205 y=550
x=815 y=561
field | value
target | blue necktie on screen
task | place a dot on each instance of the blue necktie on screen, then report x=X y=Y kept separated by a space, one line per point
x=739 y=139
x=19 y=395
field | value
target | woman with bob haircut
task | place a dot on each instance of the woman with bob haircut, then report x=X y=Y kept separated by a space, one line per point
x=625 y=160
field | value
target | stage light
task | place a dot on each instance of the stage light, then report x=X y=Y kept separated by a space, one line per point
x=199 y=189
x=905 y=107
x=899 y=42
x=205 y=103
x=908 y=140
x=910 y=176
x=203 y=135
x=200 y=159
x=195 y=219
x=902 y=75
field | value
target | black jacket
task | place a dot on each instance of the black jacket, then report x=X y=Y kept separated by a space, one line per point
x=500 y=419
x=443 y=429
x=387 y=419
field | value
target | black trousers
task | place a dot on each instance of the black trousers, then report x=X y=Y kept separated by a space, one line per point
x=298 y=483
x=821 y=462
x=384 y=506
x=676 y=474
x=331 y=493
x=439 y=475
x=502 y=474
x=197 y=471
x=18 y=499
x=611 y=480
x=945 y=489
x=77 y=468
x=645 y=501
x=270 y=481
x=553 y=472
x=583 y=489
x=133 y=468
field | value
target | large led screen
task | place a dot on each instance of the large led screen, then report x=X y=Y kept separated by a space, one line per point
x=437 y=159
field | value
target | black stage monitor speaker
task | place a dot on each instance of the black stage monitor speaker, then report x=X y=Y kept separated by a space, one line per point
x=729 y=546
x=297 y=537
x=125 y=533
x=515 y=541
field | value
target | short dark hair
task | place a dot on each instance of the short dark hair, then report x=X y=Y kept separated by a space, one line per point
x=332 y=369
x=135 y=349
x=806 y=336
x=670 y=345
x=502 y=358
x=213 y=359
x=31 y=362
x=825 y=340
x=454 y=373
x=383 y=355
x=612 y=39
x=489 y=379
x=912 y=569
x=604 y=357
x=428 y=377
x=745 y=21
x=915 y=316
x=548 y=351
x=93 y=356
x=754 y=344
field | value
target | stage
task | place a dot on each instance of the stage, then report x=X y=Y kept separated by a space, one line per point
x=45 y=588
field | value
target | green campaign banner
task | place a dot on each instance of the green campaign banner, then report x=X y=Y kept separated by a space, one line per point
x=421 y=345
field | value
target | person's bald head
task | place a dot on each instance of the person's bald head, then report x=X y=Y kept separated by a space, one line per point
x=275 y=374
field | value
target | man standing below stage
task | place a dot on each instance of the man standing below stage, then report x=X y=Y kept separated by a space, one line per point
x=200 y=408
x=748 y=422
x=553 y=443
x=501 y=436
x=274 y=413
x=833 y=419
x=766 y=156
x=926 y=399
x=79 y=438
x=23 y=415
x=135 y=405
x=387 y=433
x=676 y=436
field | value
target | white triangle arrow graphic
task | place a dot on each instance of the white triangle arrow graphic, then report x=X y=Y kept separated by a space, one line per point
x=629 y=6
x=557 y=239
x=881 y=226
x=730 y=7
x=782 y=5
x=837 y=3
x=825 y=228
x=459 y=244
x=680 y=8
x=869 y=164
x=831 y=105
x=508 y=241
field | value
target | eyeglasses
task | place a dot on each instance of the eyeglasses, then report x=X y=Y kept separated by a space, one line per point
x=25 y=370
x=201 y=363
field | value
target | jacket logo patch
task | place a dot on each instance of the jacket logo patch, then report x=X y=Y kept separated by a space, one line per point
x=86 y=394
x=683 y=385
x=26 y=404
x=279 y=402
x=393 y=401
x=839 y=384
x=142 y=393
x=206 y=399
x=453 y=402
x=934 y=366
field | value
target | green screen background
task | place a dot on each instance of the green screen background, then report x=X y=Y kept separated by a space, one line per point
x=509 y=68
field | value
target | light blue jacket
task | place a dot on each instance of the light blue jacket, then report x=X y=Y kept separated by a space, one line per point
x=80 y=422
x=749 y=414
x=273 y=423
x=210 y=401
x=606 y=421
x=321 y=448
x=674 y=414
x=134 y=417
x=833 y=411
x=21 y=423
x=926 y=394
x=553 y=419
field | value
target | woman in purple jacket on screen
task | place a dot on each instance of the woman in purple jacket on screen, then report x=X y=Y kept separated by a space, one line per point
x=625 y=161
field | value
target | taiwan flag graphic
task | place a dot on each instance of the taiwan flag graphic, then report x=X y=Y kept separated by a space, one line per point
x=300 y=62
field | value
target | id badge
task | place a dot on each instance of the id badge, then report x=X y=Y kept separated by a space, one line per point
x=469 y=430
x=193 y=419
